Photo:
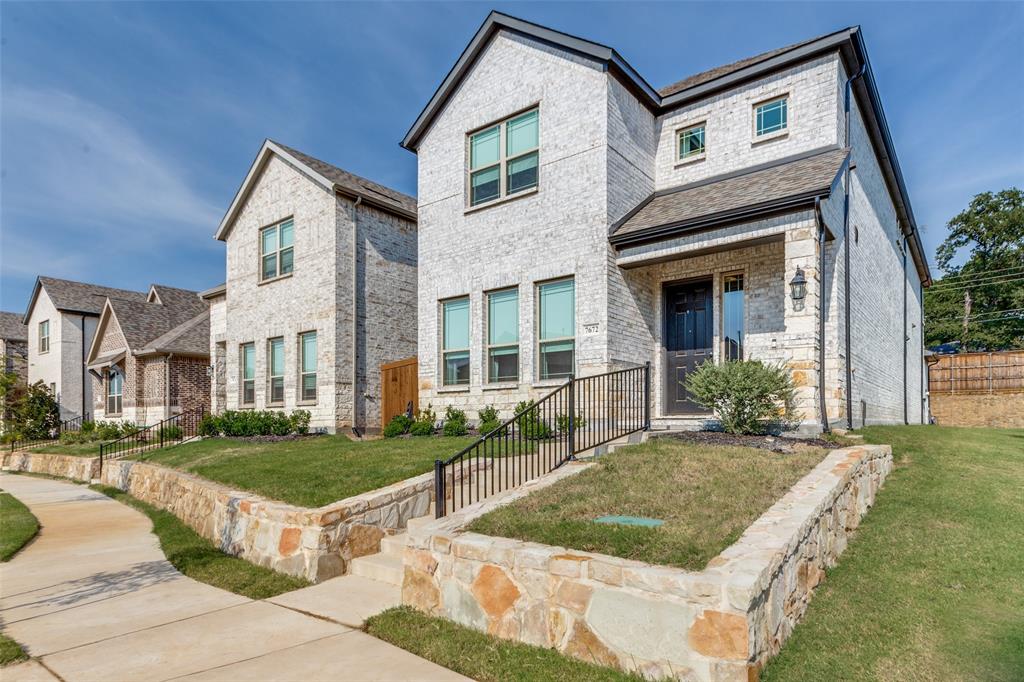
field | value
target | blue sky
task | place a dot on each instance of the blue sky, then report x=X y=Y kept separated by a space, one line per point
x=126 y=128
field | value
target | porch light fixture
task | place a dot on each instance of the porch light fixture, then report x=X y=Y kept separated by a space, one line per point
x=798 y=286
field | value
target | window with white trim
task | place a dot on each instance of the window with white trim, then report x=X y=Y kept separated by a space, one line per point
x=115 y=391
x=504 y=158
x=44 y=336
x=307 y=366
x=247 y=360
x=455 y=341
x=771 y=116
x=556 y=338
x=691 y=142
x=503 y=335
x=276 y=250
x=275 y=375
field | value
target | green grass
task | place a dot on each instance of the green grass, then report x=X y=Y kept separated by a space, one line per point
x=10 y=651
x=707 y=496
x=479 y=656
x=932 y=585
x=76 y=449
x=199 y=559
x=17 y=526
x=309 y=472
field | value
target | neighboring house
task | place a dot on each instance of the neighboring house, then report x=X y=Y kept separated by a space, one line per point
x=61 y=317
x=13 y=350
x=150 y=358
x=320 y=290
x=573 y=219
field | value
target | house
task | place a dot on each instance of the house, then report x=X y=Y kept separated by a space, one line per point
x=13 y=351
x=573 y=219
x=62 y=316
x=150 y=358
x=320 y=290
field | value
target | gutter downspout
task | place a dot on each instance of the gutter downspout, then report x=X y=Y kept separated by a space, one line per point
x=906 y=338
x=167 y=386
x=921 y=360
x=846 y=248
x=355 y=319
x=85 y=371
x=821 y=314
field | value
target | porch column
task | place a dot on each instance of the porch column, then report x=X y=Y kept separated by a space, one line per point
x=801 y=321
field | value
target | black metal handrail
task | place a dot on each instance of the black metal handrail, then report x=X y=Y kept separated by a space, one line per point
x=579 y=415
x=171 y=431
x=68 y=425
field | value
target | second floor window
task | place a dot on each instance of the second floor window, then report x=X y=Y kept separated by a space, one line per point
x=455 y=341
x=276 y=251
x=115 y=391
x=504 y=158
x=275 y=361
x=691 y=142
x=44 y=336
x=248 y=361
x=307 y=366
x=557 y=338
x=771 y=117
x=503 y=335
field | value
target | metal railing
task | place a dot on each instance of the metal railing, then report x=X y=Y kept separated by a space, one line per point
x=578 y=416
x=171 y=431
x=68 y=425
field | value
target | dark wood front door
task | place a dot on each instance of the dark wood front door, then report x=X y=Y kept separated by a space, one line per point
x=688 y=341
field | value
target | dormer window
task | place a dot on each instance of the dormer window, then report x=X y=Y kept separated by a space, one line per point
x=691 y=142
x=276 y=252
x=504 y=158
x=771 y=118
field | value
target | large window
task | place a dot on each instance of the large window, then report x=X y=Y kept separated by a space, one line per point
x=691 y=142
x=276 y=251
x=504 y=158
x=455 y=341
x=44 y=336
x=275 y=377
x=307 y=366
x=115 y=390
x=503 y=335
x=771 y=117
x=557 y=328
x=247 y=359
x=732 y=317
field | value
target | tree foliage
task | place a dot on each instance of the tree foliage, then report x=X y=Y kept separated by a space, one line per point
x=33 y=412
x=991 y=231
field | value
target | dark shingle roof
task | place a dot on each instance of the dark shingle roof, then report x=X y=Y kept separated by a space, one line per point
x=726 y=69
x=142 y=322
x=191 y=336
x=12 y=328
x=355 y=183
x=80 y=297
x=719 y=196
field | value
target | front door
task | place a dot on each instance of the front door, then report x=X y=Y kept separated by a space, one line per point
x=688 y=341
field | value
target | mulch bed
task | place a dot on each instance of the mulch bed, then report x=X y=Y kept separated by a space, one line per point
x=772 y=443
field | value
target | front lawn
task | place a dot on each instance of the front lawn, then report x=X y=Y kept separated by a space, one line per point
x=199 y=559
x=932 y=585
x=76 y=449
x=309 y=472
x=706 y=496
x=17 y=526
x=479 y=656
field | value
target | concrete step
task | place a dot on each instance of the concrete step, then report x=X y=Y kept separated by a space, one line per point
x=380 y=567
x=393 y=545
x=422 y=520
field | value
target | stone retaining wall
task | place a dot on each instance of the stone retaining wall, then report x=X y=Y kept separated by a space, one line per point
x=722 y=623
x=65 y=466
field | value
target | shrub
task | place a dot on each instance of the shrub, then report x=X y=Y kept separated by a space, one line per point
x=88 y=427
x=399 y=425
x=562 y=422
x=425 y=421
x=108 y=431
x=210 y=426
x=300 y=421
x=454 y=422
x=170 y=432
x=74 y=437
x=34 y=413
x=747 y=395
x=530 y=423
x=129 y=428
x=489 y=420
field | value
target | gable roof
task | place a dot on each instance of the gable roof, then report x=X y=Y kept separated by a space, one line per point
x=191 y=337
x=144 y=322
x=77 y=297
x=781 y=185
x=12 y=328
x=329 y=176
x=848 y=42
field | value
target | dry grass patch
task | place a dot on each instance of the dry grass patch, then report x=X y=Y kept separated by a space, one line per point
x=706 y=495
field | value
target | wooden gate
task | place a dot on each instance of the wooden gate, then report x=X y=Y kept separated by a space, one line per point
x=399 y=383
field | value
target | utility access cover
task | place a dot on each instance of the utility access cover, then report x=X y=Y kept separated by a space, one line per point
x=630 y=521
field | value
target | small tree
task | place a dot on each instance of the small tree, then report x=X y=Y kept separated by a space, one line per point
x=35 y=413
x=747 y=395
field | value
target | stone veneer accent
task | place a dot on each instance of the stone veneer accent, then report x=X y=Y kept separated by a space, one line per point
x=718 y=624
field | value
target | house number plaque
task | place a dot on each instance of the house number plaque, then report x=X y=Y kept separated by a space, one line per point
x=590 y=328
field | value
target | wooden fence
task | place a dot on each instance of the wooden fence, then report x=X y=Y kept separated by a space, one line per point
x=996 y=372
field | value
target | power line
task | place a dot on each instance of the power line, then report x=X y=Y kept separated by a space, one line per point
x=980 y=272
x=960 y=287
x=1008 y=314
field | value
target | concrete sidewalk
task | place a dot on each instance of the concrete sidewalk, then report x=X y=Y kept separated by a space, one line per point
x=93 y=598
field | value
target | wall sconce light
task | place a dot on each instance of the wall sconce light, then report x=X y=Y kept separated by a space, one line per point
x=798 y=286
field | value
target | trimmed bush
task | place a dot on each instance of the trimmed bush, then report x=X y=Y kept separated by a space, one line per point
x=562 y=422
x=108 y=431
x=425 y=421
x=250 y=423
x=209 y=426
x=530 y=424
x=489 y=420
x=398 y=426
x=748 y=396
x=454 y=422
x=300 y=421
x=170 y=432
